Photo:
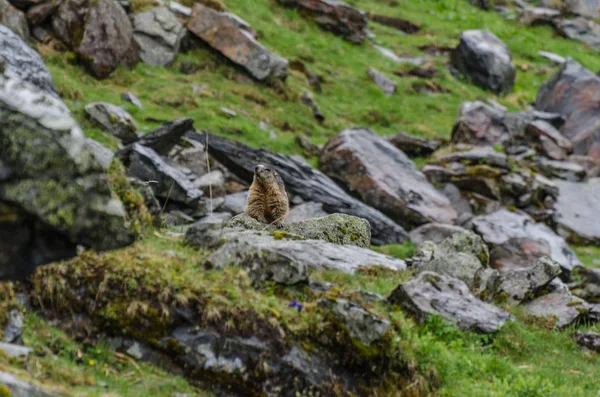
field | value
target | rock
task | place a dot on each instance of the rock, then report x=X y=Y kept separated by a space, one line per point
x=165 y=137
x=555 y=58
x=303 y=181
x=538 y=16
x=430 y=293
x=564 y=307
x=413 y=146
x=236 y=203
x=360 y=161
x=585 y=8
x=571 y=172
x=175 y=219
x=335 y=16
x=223 y=34
x=54 y=193
x=389 y=54
x=14 y=327
x=20 y=61
x=362 y=325
x=305 y=212
x=385 y=83
x=288 y=260
x=478 y=155
x=113 y=119
x=15 y=351
x=131 y=98
x=308 y=100
x=158 y=34
x=541 y=128
x=170 y=185
x=395 y=22
x=576 y=209
x=103 y=155
x=486 y=60
x=107 y=40
x=18 y=388
x=588 y=340
x=213 y=181
x=180 y=9
x=435 y=232
x=570 y=92
x=592 y=169
x=68 y=24
x=522 y=283
x=585 y=283
x=40 y=13
x=337 y=228
x=479 y=124
x=14 y=19
x=515 y=240
x=204 y=234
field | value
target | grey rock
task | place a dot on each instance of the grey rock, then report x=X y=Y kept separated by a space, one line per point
x=475 y=156
x=577 y=206
x=461 y=204
x=213 y=181
x=113 y=119
x=290 y=260
x=585 y=8
x=337 y=228
x=384 y=82
x=40 y=13
x=20 y=61
x=220 y=218
x=518 y=235
x=204 y=234
x=564 y=307
x=538 y=16
x=586 y=283
x=412 y=145
x=555 y=58
x=306 y=211
x=20 y=388
x=176 y=218
x=165 y=137
x=180 y=9
x=480 y=124
x=14 y=327
x=486 y=60
x=308 y=100
x=588 y=340
x=360 y=160
x=362 y=325
x=15 y=351
x=430 y=293
x=571 y=172
x=103 y=155
x=435 y=232
x=223 y=34
x=519 y=284
x=389 y=54
x=236 y=202
x=14 y=19
x=158 y=33
x=131 y=98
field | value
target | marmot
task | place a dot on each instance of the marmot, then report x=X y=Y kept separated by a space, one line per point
x=267 y=200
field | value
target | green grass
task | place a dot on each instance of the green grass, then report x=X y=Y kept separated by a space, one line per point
x=589 y=256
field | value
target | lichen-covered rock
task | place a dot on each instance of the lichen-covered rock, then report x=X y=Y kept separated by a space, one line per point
x=362 y=325
x=158 y=33
x=54 y=193
x=205 y=233
x=486 y=60
x=577 y=207
x=14 y=19
x=561 y=305
x=337 y=228
x=103 y=155
x=288 y=259
x=20 y=388
x=430 y=293
x=114 y=119
x=519 y=284
x=223 y=33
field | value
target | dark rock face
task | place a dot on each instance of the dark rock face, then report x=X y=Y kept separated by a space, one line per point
x=361 y=161
x=22 y=62
x=158 y=34
x=395 y=22
x=486 y=60
x=335 y=16
x=54 y=194
x=587 y=340
x=572 y=92
x=412 y=145
x=564 y=307
x=224 y=34
x=14 y=19
x=516 y=241
x=431 y=293
x=303 y=181
x=40 y=13
x=519 y=284
x=577 y=208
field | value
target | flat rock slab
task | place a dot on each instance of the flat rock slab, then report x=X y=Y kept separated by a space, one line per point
x=224 y=34
x=430 y=293
x=289 y=261
x=361 y=161
x=15 y=351
x=303 y=181
x=577 y=209
x=519 y=284
x=516 y=240
x=414 y=146
x=336 y=228
x=566 y=308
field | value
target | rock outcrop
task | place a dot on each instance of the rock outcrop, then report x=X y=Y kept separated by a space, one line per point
x=158 y=34
x=519 y=284
x=14 y=19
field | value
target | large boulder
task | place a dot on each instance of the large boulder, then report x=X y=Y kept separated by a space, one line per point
x=562 y=306
x=100 y=32
x=20 y=61
x=288 y=259
x=519 y=284
x=335 y=16
x=302 y=181
x=54 y=195
x=516 y=241
x=572 y=92
x=361 y=161
x=14 y=19
x=158 y=33
x=430 y=293
x=486 y=60
x=223 y=33
x=336 y=228
x=585 y=8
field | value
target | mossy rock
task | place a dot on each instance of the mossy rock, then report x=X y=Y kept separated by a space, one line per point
x=336 y=228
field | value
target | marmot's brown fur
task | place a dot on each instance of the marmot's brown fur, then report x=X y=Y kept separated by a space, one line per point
x=267 y=200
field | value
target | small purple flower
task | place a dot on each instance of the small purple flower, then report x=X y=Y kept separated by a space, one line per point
x=295 y=303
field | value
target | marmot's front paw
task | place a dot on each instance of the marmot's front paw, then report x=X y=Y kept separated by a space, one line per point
x=279 y=225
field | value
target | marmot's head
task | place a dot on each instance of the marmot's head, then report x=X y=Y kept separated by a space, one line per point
x=265 y=175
